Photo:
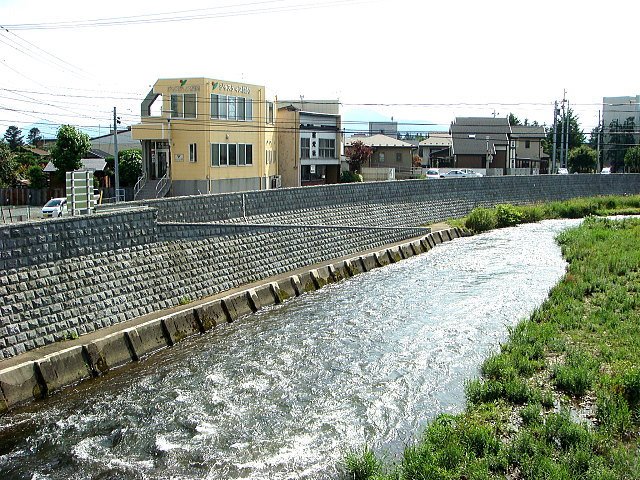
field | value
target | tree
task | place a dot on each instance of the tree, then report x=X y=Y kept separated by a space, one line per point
x=8 y=166
x=36 y=177
x=357 y=154
x=129 y=167
x=618 y=140
x=34 y=136
x=70 y=147
x=13 y=136
x=582 y=159
x=513 y=120
x=632 y=159
x=576 y=136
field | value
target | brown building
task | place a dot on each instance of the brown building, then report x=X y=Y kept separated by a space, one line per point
x=388 y=152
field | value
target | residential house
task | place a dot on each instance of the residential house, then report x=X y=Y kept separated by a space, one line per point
x=526 y=140
x=309 y=142
x=388 y=152
x=435 y=150
x=206 y=136
x=105 y=143
x=481 y=142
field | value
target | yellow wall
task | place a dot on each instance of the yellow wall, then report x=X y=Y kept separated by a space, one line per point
x=204 y=130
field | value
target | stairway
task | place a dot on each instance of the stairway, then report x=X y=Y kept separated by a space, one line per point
x=148 y=191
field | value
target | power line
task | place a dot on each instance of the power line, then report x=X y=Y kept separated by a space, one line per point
x=233 y=11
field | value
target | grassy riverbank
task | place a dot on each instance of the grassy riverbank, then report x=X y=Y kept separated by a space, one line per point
x=561 y=399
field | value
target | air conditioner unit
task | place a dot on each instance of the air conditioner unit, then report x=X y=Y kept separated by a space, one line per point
x=276 y=181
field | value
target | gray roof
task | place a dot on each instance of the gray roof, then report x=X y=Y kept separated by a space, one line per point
x=378 y=140
x=437 y=139
x=527 y=131
x=95 y=164
x=471 y=134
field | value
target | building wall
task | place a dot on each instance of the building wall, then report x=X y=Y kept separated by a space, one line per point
x=403 y=167
x=534 y=151
x=70 y=276
x=288 y=127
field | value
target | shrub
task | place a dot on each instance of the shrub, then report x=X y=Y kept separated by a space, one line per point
x=575 y=377
x=481 y=220
x=613 y=413
x=362 y=465
x=508 y=215
x=532 y=213
x=350 y=177
x=531 y=414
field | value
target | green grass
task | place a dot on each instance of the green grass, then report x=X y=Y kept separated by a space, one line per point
x=505 y=215
x=578 y=352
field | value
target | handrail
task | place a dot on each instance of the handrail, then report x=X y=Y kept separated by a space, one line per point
x=142 y=179
x=162 y=183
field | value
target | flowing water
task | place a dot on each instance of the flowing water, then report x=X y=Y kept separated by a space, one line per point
x=285 y=393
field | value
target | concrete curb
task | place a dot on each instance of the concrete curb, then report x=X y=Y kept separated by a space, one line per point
x=36 y=379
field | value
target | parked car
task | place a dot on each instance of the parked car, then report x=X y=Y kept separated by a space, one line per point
x=454 y=174
x=563 y=171
x=471 y=173
x=606 y=171
x=56 y=207
x=432 y=173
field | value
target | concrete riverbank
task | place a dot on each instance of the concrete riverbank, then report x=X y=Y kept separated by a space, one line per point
x=48 y=370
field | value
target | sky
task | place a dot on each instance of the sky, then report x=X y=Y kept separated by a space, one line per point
x=421 y=63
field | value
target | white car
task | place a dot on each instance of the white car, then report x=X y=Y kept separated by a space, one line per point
x=454 y=174
x=606 y=171
x=432 y=173
x=563 y=171
x=470 y=173
x=56 y=207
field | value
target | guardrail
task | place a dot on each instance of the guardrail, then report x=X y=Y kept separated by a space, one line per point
x=163 y=185
x=142 y=180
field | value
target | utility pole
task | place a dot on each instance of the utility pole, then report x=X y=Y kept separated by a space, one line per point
x=555 y=134
x=598 y=167
x=564 y=125
x=116 y=120
x=566 y=153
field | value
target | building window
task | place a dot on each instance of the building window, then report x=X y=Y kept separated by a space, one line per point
x=215 y=154
x=231 y=106
x=193 y=153
x=381 y=157
x=241 y=104
x=183 y=105
x=249 y=110
x=223 y=154
x=305 y=147
x=327 y=148
x=527 y=144
x=224 y=158
x=269 y=112
x=398 y=156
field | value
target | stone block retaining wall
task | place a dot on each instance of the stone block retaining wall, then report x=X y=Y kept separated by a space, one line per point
x=57 y=300
x=398 y=203
x=69 y=276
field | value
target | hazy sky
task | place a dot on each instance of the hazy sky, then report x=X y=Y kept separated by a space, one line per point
x=419 y=61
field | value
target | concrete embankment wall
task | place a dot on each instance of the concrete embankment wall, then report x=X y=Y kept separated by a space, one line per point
x=411 y=202
x=48 y=302
x=65 y=277
x=78 y=361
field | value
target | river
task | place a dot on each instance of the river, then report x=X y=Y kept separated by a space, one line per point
x=286 y=392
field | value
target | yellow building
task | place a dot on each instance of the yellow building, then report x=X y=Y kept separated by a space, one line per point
x=203 y=135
